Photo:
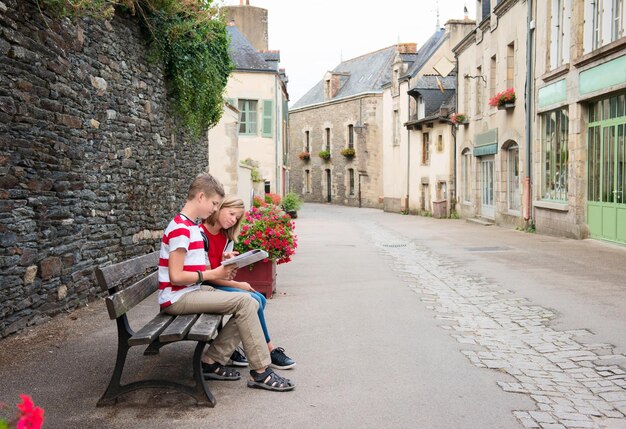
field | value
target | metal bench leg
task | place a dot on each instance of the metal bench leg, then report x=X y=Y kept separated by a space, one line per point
x=203 y=394
x=114 y=388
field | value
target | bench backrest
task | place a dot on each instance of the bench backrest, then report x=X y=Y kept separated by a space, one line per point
x=115 y=278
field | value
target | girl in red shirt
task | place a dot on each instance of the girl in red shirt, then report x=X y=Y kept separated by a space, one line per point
x=221 y=230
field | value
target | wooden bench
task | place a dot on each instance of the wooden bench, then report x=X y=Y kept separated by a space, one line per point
x=162 y=330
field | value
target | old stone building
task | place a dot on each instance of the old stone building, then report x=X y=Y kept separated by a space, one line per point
x=418 y=137
x=493 y=148
x=257 y=88
x=579 y=153
x=335 y=133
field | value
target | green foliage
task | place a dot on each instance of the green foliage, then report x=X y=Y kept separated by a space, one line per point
x=255 y=175
x=348 y=152
x=529 y=227
x=291 y=202
x=195 y=55
x=454 y=215
x=189 y=38
x=324 y=154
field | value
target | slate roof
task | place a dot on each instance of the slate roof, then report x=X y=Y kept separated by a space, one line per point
x=425 y=52
x=366 y=73
x=434 y=99
x=243 y=54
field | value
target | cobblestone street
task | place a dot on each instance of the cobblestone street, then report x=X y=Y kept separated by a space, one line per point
x=574 y=385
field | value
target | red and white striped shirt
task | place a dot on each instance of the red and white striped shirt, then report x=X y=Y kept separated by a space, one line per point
x=181 y=233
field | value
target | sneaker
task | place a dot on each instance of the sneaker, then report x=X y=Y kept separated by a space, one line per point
x=280 y=360
x=238 y=359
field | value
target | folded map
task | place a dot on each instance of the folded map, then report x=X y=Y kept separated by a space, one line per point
x=250 y=257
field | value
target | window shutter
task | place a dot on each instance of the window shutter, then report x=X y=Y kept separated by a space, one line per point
x=268 y=117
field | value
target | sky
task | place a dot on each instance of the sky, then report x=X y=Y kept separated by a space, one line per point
x=314 y=36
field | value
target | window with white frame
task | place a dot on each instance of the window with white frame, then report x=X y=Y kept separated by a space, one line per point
x=554 y=154
x=560 y=32
x=248 y=117
x=617 y=19
x=603 y=23
x=421 y=107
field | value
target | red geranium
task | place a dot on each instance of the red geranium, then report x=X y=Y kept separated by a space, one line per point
x=30 y=417
x=270 y=229
x=502 y=98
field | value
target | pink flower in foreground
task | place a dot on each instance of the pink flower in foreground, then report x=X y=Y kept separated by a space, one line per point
x=31 y=417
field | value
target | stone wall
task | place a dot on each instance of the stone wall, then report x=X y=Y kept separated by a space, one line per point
x=91 y=170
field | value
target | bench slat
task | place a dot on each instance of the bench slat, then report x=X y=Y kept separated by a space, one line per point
x=112 y=275
x=120 y=302
x=204 y=328
x=153 y=328
x=177 y=330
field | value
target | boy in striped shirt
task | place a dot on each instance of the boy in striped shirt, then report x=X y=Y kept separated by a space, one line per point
x=183 y=268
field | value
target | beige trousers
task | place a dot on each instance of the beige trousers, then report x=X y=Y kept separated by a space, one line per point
x=243 y=326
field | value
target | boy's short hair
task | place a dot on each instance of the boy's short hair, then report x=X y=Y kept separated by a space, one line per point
x=206 y=183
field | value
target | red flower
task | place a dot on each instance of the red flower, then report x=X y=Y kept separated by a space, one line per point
x=31 y=417
x=268 y=228
x=503 y=98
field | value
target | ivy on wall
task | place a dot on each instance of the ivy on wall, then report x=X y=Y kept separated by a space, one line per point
x=189 y=37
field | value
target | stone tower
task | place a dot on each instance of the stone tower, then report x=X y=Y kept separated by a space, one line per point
x=251 y=21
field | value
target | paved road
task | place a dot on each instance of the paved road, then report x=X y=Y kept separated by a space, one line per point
x=395 y=321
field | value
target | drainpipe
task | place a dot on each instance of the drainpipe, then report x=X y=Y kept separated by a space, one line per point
x=408 y=149
x=279 y=151
x=529 y=75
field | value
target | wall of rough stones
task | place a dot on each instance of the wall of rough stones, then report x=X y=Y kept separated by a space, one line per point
x=91 y=167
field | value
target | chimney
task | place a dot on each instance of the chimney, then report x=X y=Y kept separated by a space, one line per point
x=406 y=48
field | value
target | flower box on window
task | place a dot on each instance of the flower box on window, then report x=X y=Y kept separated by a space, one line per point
x=459 y=118
x=348 y=152
x=503 y=100
x=324 y=154
x=305 y=156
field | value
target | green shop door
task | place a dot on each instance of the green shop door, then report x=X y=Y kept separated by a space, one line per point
x=606 y=170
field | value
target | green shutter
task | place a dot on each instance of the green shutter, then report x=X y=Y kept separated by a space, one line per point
x=232 y=101
x=268 y=117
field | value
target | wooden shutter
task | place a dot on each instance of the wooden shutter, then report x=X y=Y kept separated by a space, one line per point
x=268 y=117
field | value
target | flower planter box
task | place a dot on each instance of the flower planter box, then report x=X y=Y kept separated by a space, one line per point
x=506 y=106
x=261 y=276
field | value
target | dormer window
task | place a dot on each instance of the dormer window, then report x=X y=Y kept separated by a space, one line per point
x=421 y=107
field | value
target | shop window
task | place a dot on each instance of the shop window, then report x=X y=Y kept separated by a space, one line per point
x=554 y=155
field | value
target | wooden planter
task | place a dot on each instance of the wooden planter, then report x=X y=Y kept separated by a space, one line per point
x=261 y=276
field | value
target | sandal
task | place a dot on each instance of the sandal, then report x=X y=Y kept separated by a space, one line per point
x=269 y=380
x=216 y=371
